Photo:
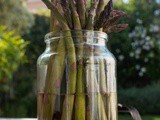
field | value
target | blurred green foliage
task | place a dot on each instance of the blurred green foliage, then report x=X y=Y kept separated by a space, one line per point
x=15 y=16
x=36 y=38
x=12 y=52
x=144 y=117
x=137 y=48
x=137 y=51
x=24 y=98
x=25 y=78
x=146 y=100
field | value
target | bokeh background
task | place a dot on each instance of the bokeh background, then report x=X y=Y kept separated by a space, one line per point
x=23 y=24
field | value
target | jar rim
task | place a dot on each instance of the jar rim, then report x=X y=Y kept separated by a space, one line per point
x=51 y=36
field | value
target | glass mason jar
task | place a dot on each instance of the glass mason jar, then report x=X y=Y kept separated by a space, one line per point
x=77 y=77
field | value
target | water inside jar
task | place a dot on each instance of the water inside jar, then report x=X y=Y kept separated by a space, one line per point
x=93 y=106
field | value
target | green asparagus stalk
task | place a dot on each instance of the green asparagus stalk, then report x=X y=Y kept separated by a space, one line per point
x=104 y=15
x=53 y=21
x=41 y=114
x=67 y=12
x=76 y=21
x=69 y=46
x=92 y=14
x=81 y=9
x=91 y=91
x=93 y=99
x=68 y=107
x=80 y=99
x=103 y=90
x=99 y=98
x=113 y=106
x=103 y=83
x=96 y=103
x=71 y=57
x=63 y=8
x=100 y=87
x=100 y=8
x=101 y=107
x=53 y=79
x=116 y=28
x=80 y=92
x=47 y=95
x=54 y=25
x=71 y=85
x=57 y=14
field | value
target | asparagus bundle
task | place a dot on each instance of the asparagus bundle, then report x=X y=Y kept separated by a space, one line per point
x=75 y=15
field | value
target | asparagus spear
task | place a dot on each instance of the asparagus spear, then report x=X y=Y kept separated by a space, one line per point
x=103 y=90
x=68 y=107
x=71 y=57
x=102 y=77
x=53 y=21
x=93 y=99
x=99 y=98
x=92 y=110
x=91 y=91
x=67 y=111
x=80 y=99
x=100 y=8
x=69 y=45
x=104 y=15
x=91 y=15
x=51 y=79
x=76 y=21
x=96 y=103
x=57 y=14
x=112 y=106
x=81 y=9
x=67 y=12
x=46 y=111
x=116 y=28
x=114 y=18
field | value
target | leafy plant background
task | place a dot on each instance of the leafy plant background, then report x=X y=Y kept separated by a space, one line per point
x=15 y=16
x=136 y=49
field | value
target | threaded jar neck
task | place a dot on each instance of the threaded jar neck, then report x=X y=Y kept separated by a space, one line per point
x=89 y=37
